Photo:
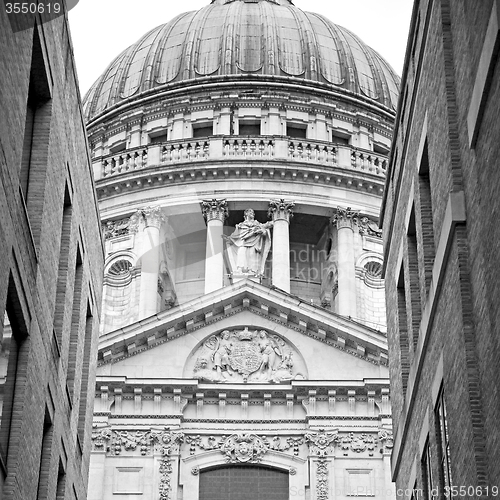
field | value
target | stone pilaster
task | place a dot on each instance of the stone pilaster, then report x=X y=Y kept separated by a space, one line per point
x=215 y=212
x=280 y=211
x=152 y=218
x=346 y=220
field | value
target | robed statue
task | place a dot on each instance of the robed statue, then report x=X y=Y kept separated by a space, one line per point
x=249 y=245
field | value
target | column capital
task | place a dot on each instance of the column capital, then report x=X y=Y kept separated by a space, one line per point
x=214 y=209
x=153 y=216
x=150 y=216
x=280 y=210
x=345 y=218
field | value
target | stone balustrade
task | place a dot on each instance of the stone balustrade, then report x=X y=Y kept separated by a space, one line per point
x=184 y=151
x=261 y=148
x=258 y=148
x=314 y=152
x=125 y=161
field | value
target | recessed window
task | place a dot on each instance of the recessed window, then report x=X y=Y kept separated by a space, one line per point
x=203 y=129
x=381 y=150
x=158 y=137
x=296 y=130
x=248 y=127
x=339 y=138
x=118 y=147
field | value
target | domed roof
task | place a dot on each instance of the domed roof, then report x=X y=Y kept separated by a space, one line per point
x=240 y=40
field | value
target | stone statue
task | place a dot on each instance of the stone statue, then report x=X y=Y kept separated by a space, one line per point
x=204 y=373
x=249 y=245
x=221 y=354
x=269 y=352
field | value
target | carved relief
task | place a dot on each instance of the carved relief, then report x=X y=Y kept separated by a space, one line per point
x=386 y=438
x=246 y=356
x=115 y=228
x=322 y=479
x=165 y=443
x=321 y=443
x=100 y=438
x=367 y=226
x=358 y=443
x=243 y=448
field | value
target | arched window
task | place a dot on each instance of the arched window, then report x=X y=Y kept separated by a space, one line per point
x=244 y=482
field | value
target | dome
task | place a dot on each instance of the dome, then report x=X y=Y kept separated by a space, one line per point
x=243 y=40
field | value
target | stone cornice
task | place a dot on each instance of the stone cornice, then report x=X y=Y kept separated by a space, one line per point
x=274 y=305
x=205 y=170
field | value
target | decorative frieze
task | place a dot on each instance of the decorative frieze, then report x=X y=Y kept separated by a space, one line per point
x=358 y=443
x=214 y=209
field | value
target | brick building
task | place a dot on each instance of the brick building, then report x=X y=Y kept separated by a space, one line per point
x=51 y=259
x=441 y=237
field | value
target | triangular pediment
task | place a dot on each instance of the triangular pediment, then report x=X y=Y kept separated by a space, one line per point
x=246 y=304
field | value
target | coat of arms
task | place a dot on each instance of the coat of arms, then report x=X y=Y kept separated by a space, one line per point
x=244 y=356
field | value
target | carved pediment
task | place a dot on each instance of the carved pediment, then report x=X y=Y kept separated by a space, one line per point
x=246 y=355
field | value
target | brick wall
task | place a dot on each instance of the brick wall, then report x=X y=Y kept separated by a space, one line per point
x=50 y=429
x=456 y=273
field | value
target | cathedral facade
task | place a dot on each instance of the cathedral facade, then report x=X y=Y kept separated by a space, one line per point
x=240 y=154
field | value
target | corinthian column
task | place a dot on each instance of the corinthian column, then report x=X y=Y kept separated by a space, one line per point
x=280 y=211
x=345 y=220
x=150 y=260
x=214 y=211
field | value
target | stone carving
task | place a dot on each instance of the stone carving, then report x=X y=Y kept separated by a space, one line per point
x=100 y=438
x=280 y=210
x=386 y=438
x=357 y=443
x=149 y=216
x=131 y=441
x=165 y=442
x=244 y=356
x=277 y=443
x=195 y=471
x=321 y=443
x=242 y=448
x=345 y=217
x=115 y=228
x=322 y=479
x=248 y=246
x=367 y=226
x=214 y=209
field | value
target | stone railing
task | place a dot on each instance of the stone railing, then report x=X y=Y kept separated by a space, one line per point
x=368 y=161
x=125 y=161
x=314 y=152
x=261 y=148
x=184 y=151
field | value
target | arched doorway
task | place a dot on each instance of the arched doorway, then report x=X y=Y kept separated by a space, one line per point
x=244 y=482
